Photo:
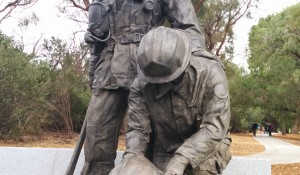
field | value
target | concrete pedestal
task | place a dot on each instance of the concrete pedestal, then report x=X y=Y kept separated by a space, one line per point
x=54 y=161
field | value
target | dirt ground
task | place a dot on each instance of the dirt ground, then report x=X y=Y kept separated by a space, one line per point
x=287 y=169
x=242 y=145
x=291 y=138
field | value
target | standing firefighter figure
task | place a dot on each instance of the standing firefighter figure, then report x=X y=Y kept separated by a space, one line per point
x=115 y=30
x=181 y=99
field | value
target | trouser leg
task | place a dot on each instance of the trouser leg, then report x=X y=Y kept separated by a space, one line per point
x=104 y=118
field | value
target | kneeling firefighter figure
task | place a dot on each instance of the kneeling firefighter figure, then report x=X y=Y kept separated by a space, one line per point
x=115 y=30
x=180 y=100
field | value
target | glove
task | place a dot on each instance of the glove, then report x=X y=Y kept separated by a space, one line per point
x=89 y=38
x=176 y=165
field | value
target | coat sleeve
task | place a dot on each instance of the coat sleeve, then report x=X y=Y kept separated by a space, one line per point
x=181 y=15
x=215 y=120
x=95 y=52
x=139 y=126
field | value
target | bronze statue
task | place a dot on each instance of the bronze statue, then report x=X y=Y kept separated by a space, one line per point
x=183 y=100
x=115 y=30
x=136 y=165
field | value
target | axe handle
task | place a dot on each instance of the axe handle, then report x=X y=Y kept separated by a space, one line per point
x=76 y=153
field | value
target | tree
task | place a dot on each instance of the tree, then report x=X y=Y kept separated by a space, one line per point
x=6 y=8
x=274 y=64
x=35 y=95
x=68 y=88
x=21 y=99
x=9 y=8
x=75 y=10
x=217 y=18
x=24 y=23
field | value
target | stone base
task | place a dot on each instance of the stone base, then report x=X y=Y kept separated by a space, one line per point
x=54 y=161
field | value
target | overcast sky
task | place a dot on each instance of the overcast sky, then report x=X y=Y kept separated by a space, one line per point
x=53 y=24
x=242 y=28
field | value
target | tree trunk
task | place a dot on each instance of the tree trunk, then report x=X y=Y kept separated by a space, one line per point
x=198 y=6
x=283 y=128
x=296 y=126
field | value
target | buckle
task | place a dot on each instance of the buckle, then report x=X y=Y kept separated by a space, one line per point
x=136 y=37
x=122 y=39
x=131 y=38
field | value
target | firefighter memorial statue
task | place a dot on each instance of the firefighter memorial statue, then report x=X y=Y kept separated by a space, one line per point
x=115 y=30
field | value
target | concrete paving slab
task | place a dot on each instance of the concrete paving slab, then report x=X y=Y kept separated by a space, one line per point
x=35 y=161
x=54 y=161
x=248 y=166
x=277 y=151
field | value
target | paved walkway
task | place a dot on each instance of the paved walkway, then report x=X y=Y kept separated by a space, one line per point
x=277 y=151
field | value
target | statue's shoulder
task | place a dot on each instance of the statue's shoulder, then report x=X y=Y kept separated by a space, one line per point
x=202 y=58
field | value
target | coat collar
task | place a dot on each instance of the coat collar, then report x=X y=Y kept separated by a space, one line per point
x=184 y=88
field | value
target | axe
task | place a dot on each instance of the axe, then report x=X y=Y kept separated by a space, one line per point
x=76 y=153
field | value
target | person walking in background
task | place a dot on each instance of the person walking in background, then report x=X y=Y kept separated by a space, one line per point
x=268 y=128
x=261 y=129
x=254 y=128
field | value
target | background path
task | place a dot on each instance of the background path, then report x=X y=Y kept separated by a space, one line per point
x=277 y=151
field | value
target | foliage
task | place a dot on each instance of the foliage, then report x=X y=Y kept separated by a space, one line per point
x=20 y=101
x=6 y=8
x=274 y=63
x=79 y=13
x=36 y=94
x=217 y=18
x=68 y=90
